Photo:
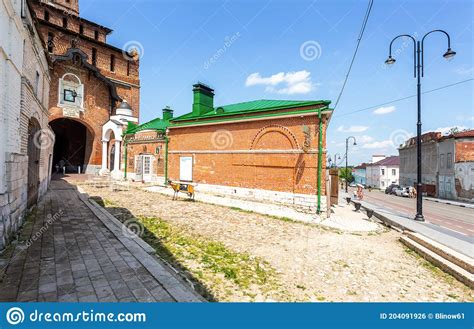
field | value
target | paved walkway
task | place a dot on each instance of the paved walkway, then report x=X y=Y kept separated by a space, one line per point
x=65 y=253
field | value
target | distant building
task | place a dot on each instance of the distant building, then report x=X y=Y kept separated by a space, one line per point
x=360 y=174
x=429 y=163
x=383 y=173
x=145 y=149
x=447 y=164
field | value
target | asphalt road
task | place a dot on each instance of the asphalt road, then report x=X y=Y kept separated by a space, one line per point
x=456 y=218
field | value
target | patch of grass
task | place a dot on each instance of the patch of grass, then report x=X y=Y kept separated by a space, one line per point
x=352 y=293
x=321 y=298
x=179 y=247
x=300 y=287
x=284 y=219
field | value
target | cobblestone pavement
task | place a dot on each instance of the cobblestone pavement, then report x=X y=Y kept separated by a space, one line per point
x=311 y=263
x=73 y=257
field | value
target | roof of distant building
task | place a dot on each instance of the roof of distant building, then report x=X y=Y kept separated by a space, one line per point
x=393 y=160
x=432 y=136
x=362 y=166
x=462 y=134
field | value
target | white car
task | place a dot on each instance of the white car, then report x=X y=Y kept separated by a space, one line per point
x=402 y=191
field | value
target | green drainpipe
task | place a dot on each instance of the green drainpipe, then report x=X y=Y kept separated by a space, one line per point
x=166 y=159
x=126 y=158
x=320 y=159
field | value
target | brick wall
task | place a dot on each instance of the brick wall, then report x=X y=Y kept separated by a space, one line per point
x=464 y=151
x=125 y=73
x=271 y=154
x=24 y=97
x=96 y=104
x=146 y=143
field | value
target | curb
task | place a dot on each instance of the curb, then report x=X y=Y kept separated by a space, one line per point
x=452 y=203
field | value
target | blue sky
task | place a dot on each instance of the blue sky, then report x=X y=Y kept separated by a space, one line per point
x=301 y=50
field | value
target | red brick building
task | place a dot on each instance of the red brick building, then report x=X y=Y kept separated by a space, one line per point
x=95 y=88
x=265 y=149
x=145 y=152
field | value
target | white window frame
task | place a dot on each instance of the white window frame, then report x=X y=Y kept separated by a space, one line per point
x=77 y=87
x=185 y=176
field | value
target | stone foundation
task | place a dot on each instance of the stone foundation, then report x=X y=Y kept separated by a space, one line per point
x=307 y=202
x=14 y=202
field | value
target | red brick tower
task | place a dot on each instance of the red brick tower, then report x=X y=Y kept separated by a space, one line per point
x=70 y=6
x=95 y=88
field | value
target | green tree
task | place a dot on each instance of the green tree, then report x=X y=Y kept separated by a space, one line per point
x=346 y=174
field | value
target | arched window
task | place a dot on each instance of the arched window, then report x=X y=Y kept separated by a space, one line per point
x=71 y=92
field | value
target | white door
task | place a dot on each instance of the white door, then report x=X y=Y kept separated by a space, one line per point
x=139 y=168
x=186 y=169
x=147 y=168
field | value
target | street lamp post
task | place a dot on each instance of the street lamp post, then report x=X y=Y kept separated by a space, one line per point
x=347 y=153
x=337 y=156
x=418 y=71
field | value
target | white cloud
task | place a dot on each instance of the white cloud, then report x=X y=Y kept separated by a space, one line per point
x=386 y=144
x=288 y=83
x=384 y=110
x=465 y=70
x=352 y=129
x=364 y=139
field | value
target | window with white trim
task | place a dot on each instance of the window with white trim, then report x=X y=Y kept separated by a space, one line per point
x=71 y=92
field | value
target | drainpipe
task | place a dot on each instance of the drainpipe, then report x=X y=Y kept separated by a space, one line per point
x=320 y=159
x=166 y=159
x=126 y=158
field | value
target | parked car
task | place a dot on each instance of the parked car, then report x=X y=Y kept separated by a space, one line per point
x=402 y=191
x=389 y=190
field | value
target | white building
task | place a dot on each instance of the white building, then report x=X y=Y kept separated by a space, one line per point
x=26 y=140
x=383 y=173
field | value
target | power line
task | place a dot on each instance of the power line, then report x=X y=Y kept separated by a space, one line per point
x=404 y=98
x=361 y=33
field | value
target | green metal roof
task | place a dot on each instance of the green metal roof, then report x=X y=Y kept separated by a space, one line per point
x=250 y=107
x=155 y=124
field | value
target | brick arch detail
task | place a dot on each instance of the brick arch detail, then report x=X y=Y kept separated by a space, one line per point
x=278 y=129
x=85 y=122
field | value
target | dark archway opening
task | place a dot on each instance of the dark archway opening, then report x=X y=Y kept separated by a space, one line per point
x=71 y=149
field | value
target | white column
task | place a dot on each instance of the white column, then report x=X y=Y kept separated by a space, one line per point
x=117 y=156
x=104 y=156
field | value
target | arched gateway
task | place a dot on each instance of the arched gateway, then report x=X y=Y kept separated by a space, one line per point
x=73 y=149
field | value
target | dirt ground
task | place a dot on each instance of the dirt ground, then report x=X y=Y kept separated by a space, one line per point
x=310 y=263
